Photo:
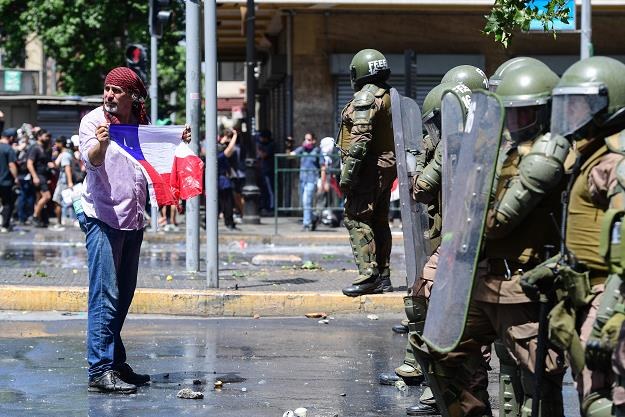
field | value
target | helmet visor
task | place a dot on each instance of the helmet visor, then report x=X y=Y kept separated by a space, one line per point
x=570 y=112
x=432 y=126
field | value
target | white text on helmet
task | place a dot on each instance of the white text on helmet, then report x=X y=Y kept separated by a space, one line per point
x=375 y=66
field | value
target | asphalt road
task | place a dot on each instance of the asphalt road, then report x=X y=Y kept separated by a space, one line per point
x=267 y=365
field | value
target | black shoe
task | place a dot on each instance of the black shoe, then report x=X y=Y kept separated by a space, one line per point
x=39 y=223
x=110 y=381
x=126 y=374
x=400 y=329
x=388 y=378
x=376 y=286
x=313 y=225
x=423 y=410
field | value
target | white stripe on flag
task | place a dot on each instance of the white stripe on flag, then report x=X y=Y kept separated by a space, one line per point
x=158 y=145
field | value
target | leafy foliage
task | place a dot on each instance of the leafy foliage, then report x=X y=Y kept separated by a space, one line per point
x=509 y=15
x=87 y=38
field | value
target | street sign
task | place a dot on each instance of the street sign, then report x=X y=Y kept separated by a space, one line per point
x=12 y=81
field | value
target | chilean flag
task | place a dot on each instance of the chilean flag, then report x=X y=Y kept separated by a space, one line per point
x=171 y=168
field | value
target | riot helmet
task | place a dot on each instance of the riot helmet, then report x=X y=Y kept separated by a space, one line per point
x=526 y=95
x=471 y=76
x=368 y=66
x=590 y=95
x=432 y=107
x=510 y=65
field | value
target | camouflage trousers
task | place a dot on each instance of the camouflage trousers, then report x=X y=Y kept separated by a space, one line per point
x=366 y=219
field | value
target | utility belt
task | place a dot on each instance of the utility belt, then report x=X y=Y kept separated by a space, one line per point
x=505 y=269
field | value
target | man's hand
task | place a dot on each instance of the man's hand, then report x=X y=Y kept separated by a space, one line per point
x=186 y=134
x=36 y=181
x=598 y=352
x=97 y=153
x=102 y=134
x=540 y=279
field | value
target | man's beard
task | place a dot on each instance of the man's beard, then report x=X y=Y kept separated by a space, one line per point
x=110 y=107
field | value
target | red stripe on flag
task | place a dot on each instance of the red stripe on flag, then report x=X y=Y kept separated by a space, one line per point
x=162 y=190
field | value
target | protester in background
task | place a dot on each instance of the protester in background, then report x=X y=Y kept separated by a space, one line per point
x=225 y=150
x=237 y=164
x=110 y=213
x=311 y=161
x=8 y=177
x=265 y=154
x=64 y=162
x=38 y=165
x=27 y=194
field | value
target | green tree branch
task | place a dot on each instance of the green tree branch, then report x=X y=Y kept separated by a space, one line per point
x=508 y=16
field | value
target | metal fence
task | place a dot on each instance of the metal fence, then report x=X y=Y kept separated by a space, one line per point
x=287 y=173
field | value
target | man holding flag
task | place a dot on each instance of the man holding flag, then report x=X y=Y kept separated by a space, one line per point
x=111 y=213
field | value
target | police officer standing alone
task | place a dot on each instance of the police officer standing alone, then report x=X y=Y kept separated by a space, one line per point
x=368 y=171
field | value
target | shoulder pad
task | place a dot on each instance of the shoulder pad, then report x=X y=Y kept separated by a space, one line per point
x=363 y=99
x=616 y=143
x=620 y=173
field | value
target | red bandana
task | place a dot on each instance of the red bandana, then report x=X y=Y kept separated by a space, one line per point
x=131 y=83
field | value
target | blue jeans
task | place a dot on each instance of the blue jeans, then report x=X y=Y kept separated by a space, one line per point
x=113 y=260
x=307 y=196
x=26 y=200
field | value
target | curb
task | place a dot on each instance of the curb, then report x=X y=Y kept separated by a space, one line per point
x=207 y=303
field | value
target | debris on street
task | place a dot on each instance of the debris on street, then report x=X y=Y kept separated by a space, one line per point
x=189 y=394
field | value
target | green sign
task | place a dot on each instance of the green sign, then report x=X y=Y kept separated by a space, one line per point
x=12 y=81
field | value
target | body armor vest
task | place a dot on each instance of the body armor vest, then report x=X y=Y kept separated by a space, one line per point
x=526 y=242
x=584 y=220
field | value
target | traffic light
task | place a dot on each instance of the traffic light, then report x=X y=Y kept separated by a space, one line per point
x=136 y=60
x=159 y=16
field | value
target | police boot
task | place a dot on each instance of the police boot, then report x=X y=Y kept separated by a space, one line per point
x=415 y=308
x=372 y=285
x=401 y=328
x=370 y=280
x=426 y=405
x=410 y=371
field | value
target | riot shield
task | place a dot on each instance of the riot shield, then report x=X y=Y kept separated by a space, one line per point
x=463 y=223
x=408 y=134
x=452 y=128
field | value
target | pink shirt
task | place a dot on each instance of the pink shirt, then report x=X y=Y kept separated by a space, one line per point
x=116 y=191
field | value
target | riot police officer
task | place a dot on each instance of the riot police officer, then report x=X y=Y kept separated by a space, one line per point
x=368 y=171
x=530 y=168
x=589 y=110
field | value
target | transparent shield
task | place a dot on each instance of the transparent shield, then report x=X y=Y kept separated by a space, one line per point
x=463 y=223
x=452 y=129
x=407 y=131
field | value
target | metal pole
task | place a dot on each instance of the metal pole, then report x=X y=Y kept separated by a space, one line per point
x=153 y=108
x=586 y=49
x=408 y=55
x=251 y=192
x=210 y=97
x=289 y=74
x=193 y=119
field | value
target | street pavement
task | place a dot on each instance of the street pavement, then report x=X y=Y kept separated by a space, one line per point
x=267 y=365
x=253 y=258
